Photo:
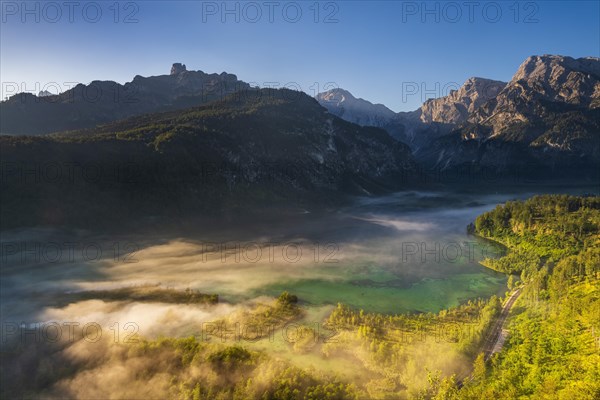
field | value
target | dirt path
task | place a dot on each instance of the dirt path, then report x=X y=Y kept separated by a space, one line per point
x=494 y=341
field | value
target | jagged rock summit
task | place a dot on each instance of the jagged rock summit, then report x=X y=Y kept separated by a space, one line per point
x=459 y=104
x=547 y=117
x=539 y=82
x=178 y=68
x=436 y=117
x=26 y=114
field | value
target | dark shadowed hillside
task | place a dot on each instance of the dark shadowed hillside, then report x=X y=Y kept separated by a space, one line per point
x=100 y=102
x=252 y=149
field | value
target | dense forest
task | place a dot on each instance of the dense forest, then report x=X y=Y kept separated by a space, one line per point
x=553 y=351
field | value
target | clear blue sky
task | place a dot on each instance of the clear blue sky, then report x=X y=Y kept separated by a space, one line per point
x=377 y=50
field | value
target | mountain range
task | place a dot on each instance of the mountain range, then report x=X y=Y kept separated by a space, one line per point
x=434 y=118
x=100 y=102
x=250 y=149
x=191 y=142
x=547 y=116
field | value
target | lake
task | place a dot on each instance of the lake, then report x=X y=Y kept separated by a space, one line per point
x=407 y=252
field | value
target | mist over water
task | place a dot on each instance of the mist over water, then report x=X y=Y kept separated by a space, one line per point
x=408 y=252
x=70 y=299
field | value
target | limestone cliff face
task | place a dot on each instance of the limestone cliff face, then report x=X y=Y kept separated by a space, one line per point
x=459 y=104
x=435 y=118
x=547 y=115
x=539 y=82
x=564 y=79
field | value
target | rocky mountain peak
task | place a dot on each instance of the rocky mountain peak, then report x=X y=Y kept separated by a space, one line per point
x=559 y=79
x=178 y=68
x=337 y=96
x=343 y=104
x=456 y=107
x=72 y=109
x=553 y=66
x=539 y=82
